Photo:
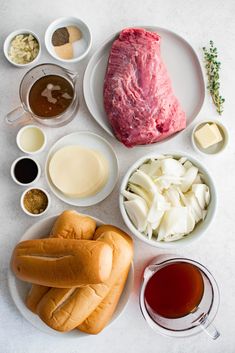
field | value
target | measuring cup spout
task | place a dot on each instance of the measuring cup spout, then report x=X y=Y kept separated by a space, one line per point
x=149 y=271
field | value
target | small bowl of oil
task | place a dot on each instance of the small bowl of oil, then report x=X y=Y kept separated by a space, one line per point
x=31 y=139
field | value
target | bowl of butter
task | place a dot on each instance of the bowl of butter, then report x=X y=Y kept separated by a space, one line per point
x=209 y=137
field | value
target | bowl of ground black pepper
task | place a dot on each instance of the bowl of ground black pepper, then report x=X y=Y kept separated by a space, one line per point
x=68 y=39
x=35 y=201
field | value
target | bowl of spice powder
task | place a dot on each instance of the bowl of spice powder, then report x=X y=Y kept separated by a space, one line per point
x=35 y=201
x=68 y=39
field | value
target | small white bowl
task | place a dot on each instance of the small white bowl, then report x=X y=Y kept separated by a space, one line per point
x=199 y=229
x=64 y=22
x=35 y=214
x=19 y=135
x=215 y=149
x=7 y=44
x=13 y=175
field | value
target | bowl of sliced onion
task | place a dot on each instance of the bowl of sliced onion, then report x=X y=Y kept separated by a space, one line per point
x=167 y=200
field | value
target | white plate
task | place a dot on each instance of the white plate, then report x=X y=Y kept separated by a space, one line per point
x=19 y=289
x=181 y=61
x=89 y=140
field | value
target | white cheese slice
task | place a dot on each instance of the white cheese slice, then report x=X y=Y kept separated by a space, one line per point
x=77 y=171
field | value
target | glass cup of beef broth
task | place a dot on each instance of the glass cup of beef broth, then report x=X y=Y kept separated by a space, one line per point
x=48 y=95
x=179 y=297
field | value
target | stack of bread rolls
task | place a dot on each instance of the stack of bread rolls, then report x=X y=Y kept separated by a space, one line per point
x=78 y=273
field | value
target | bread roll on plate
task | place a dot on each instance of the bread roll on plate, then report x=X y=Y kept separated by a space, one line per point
x=110 y=228
x=72 y=225
x=65 y=309
x=34 y=296
x=69 y=225
x=62 y=263
x=101 y=316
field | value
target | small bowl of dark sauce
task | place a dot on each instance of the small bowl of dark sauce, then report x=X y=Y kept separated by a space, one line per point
x=25 y=171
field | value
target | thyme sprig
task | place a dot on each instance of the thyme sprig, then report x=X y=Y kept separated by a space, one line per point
x=212 y=66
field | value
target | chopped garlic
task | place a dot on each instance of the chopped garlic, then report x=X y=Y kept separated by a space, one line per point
x=24 y=48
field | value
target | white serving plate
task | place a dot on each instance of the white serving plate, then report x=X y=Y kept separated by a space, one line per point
x=19 y=289
x=89 y=140
x=181 y=61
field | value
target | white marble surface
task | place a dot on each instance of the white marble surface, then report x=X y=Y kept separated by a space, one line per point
x=198 y=21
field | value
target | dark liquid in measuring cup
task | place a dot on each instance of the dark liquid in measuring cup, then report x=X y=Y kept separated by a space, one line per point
x=50 y=96
x=26 y=170
x=174 y=291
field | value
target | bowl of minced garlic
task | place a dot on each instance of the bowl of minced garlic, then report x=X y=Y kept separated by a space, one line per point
x=22 y=48
x=35 y=201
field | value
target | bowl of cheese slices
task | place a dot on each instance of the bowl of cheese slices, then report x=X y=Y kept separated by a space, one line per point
x=167 y=200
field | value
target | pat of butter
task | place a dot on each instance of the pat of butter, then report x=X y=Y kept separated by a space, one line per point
x=208 y=135
x=216 y=131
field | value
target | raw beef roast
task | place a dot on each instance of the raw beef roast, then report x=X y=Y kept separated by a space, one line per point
x=138 y=95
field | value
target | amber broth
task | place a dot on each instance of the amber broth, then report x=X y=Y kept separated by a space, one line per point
x=175 y=290
x=48 y=103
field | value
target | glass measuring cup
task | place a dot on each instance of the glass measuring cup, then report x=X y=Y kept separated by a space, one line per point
x=24 y=114
x=200 y=319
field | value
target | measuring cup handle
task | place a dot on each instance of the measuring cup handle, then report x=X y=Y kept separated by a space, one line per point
x=205 y=323
x=209 y=328
x=16 y=116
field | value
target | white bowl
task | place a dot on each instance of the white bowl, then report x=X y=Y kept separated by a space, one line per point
x=217 y=148
x=199 y=229
x=19 y=289
x=64 y=22
x=19 y=136
x=7 y=44
x=35 y=214
x=13 y=175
